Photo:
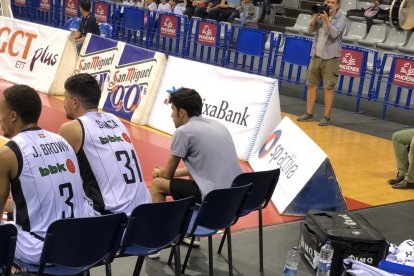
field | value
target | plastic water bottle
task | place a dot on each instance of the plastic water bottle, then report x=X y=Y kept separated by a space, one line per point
x=325 y=259
x=292 y=262
x=242 y=19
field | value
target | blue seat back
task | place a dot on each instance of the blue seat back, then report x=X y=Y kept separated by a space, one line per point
x=157 y=225
x=105 y=29
x=263 y=185
x=83 y=242
x=220 y=208
x=72 y=23
x=8 y=237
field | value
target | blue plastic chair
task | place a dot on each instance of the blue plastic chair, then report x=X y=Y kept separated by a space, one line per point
x=263 y=185
x=72 y=23
x=8 y=237
x=216 y=212
x=155 y=226
x=73 y=246
x=105 y=29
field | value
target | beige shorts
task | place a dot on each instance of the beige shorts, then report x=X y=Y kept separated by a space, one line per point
x=325 y=69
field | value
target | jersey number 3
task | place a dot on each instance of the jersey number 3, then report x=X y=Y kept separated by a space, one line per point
x=62 y=188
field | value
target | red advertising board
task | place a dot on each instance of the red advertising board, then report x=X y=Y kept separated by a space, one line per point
x=351 y=63
x=20 y=3
x=100 y=12
x=404 y=72
x=45 y=5
x=71 y=8
x=207 y=33
x=168 y=25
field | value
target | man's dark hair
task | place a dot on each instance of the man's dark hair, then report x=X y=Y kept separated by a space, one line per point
x=86 y=88
x=25 y=101
x=187 y=99
x=86 y=5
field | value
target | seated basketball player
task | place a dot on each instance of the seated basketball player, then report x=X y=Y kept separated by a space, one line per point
x=109 y=164
x=205 y=146
x=403 y=143
x=39 y=168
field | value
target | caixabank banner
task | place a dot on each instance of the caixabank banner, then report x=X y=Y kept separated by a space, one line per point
x=248 y=105
x=307 y=179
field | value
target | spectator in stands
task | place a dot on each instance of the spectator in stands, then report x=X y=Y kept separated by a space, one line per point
x=40 y=170
x=164 y=6
x=133 y=3
x=246 y=7
x=109 y=164
x=87 y=25
x=326 y=51
x=178 y=9
x=205 y=146
x=403 y=143
x=150 y=5
x=224 y=10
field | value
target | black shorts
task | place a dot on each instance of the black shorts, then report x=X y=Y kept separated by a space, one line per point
x=182 y=188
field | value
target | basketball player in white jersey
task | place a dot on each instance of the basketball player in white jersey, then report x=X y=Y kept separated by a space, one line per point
x=108 y=162
x=39 y=168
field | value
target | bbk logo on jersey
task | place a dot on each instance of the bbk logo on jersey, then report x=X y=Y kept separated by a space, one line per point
x=114 y=139
x=57 y=168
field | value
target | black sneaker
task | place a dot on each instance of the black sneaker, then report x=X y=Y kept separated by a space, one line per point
x=305 y=118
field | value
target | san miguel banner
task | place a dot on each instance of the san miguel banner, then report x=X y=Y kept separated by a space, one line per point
x=307 y=180
x=71 y=8
x=403 y=72
x=32 y=54
x=101 y=12
x=248 y=105
x=351 y=63
x=98 y=57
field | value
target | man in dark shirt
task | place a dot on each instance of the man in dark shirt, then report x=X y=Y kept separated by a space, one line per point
x=87 y=25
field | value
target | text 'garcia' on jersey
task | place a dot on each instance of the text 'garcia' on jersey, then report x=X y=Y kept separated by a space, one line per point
x=114 y=138
x=57 y=168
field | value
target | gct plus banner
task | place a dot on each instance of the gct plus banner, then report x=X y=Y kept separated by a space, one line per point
x=30 y=53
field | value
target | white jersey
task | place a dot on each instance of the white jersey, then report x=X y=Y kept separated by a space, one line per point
x=109 y=165
x=47 y=187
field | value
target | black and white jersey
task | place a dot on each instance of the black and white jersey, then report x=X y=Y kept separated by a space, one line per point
x=109 y=165
x=48 y=185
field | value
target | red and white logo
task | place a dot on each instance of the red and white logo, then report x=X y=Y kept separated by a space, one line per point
x=350 y=63
x=207 y=33
x=101 y=12
x=20 y=3
x=45 y=5
x=71 y=8
x=168 y=25
x=404 y=73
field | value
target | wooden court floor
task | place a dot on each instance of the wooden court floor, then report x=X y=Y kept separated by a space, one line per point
x=362 y=163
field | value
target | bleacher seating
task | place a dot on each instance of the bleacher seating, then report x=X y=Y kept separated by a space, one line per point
x=301 y=25
x=377 y=34
x=356 y=32
x=409 y=47
x=396 y=38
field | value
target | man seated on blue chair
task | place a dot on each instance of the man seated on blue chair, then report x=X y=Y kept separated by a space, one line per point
x=205 y=146
x=87 y=25
x=41 y=171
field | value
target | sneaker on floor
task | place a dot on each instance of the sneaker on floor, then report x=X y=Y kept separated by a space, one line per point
x=395 y=180
x=155 y=255
x=187 y=241
x=324 y=121
x=305 y=118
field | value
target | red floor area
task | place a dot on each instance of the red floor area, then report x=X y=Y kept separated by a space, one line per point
x=153 y=150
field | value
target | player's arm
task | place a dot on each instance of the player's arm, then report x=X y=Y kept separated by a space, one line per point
x=169 y=170
x=7 y=163
x=72 y=132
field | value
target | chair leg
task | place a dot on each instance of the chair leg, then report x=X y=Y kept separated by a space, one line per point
x=108 y=270
x=187 y=256
x=138 y=265
x=171 y=256
x=177 y=260
x=223 y=239
x=210 y=255
x=260 y=240
x=229 y=252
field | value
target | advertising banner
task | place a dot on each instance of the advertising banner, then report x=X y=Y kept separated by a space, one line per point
x=239 y=100
x=32 y=53
x=306 y=180
x=100 y=10
x=71 y=8
x=351 y=63
x=404 y=72
x=45 y=5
